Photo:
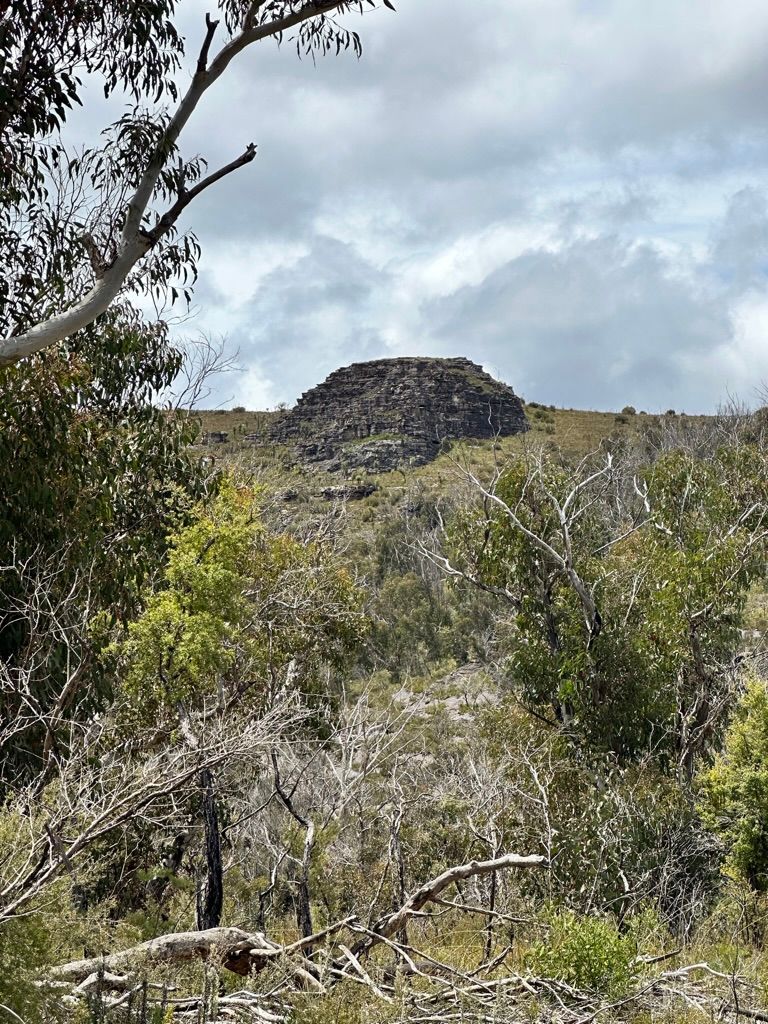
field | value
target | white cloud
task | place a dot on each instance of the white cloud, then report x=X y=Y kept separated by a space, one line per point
x=236 y=270
x=256 y=391
x=568 y=190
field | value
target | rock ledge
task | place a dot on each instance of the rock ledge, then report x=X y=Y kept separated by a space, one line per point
x=386 y=413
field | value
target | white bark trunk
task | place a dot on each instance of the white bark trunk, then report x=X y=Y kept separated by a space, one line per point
x=133 y=244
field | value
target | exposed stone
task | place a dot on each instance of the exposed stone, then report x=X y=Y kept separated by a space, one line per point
x=349 y=492
x=387 y=413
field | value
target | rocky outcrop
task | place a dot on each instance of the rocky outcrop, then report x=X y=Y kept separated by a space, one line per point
x=387 y=413
x=215 y=437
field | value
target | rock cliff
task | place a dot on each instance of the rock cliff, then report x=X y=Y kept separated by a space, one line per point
x=385 y=413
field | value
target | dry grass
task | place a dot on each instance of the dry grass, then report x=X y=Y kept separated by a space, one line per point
x=574 y=432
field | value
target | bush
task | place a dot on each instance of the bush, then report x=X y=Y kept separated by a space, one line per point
x=629 y=410
x=238 y=408
x=735 y=790
x=586 y=952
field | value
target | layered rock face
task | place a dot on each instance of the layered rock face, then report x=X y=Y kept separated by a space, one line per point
x=386 y=413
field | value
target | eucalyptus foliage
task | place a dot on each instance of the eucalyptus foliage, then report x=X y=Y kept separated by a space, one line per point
x=241 y=614
x=666 y=563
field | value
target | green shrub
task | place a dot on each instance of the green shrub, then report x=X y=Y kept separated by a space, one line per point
x=23 y=951
x=587 y=952
x=735 y=790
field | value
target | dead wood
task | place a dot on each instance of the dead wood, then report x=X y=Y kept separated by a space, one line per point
x=388 y=925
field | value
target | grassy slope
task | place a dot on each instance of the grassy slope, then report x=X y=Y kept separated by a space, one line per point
x=574 y=431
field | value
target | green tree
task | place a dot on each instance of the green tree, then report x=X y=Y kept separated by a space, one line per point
x=239 y=614
x=76 y=233
x=94 y=475
x=624 y=589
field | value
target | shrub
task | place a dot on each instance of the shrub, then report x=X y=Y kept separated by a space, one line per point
x=735 y=790
x=586 y=952
x=629 y=410
x=238 y=408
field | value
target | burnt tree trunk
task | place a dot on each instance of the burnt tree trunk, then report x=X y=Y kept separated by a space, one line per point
x=210 y=890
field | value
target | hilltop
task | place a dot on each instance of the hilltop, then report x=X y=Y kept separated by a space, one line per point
x=387 y=413
x=574 y=431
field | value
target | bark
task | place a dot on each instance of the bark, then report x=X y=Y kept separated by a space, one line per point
x=488 y=948
x=238 y=951
x=135 y=240
x=396 y=853
x=389 y=925
x=304 y=903
x=210 y=894
x=304 y=896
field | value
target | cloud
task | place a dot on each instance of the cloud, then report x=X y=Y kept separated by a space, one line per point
x=599 y=311
x=740 y=242
x=570 y=190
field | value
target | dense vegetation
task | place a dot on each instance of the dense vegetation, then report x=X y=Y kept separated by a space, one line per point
x=235 y=708
x=490 y=744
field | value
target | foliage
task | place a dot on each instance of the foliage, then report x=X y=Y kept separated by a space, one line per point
x=240 y=613
x=635 y=664
x=94 y=475
x=734 y=791
x=46 y=51
x=586 y=952
x=79 y=229
x=23 y=953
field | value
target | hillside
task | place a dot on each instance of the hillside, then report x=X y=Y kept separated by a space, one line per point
x=477 y=739
x=574 y=431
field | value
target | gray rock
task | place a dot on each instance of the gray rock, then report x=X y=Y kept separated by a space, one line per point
x=348 y=492
x=387 y=413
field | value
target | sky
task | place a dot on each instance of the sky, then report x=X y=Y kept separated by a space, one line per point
x=573 y=193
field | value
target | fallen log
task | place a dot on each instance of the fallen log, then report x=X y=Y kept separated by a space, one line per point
x=241 y=952
x=245 y=953
x=237 y=950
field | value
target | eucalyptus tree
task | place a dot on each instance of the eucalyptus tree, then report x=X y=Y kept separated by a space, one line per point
x=624 y=587
x=77 y=233
x=94 y=474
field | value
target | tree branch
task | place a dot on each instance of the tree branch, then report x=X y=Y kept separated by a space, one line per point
x=134 y=243
x=171 y=215
x=389 y=925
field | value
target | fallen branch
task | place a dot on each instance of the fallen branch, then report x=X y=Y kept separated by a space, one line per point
x=238 y=951
x=389 y=925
